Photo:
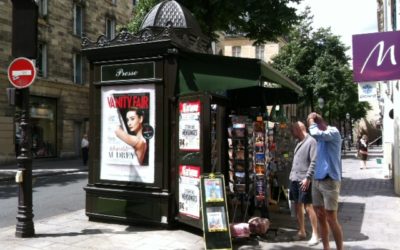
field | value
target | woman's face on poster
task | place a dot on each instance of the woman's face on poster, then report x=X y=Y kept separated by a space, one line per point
x=134 y=121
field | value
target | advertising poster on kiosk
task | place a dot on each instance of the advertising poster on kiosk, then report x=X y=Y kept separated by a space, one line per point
x=127 y=133
x=189 y=126
x=189 y=191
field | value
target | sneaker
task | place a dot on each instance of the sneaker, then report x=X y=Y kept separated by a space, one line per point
x=313 y=241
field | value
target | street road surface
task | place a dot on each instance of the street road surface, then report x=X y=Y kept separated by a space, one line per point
x=52 y=195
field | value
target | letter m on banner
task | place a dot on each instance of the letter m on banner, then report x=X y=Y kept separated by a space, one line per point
x=376 y=56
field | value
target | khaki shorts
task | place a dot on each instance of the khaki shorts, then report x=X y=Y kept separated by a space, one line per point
x=326 y=193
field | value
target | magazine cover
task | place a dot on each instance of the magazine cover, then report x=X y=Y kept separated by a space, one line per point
x=189 y=191
x=189 y=126
x=127 y=133
x=216 y=219
x=213 y=188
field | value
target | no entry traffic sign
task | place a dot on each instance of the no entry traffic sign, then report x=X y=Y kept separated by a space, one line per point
x=21 y=72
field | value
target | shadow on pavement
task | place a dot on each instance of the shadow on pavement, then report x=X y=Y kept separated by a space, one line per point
x=351 y=216
x=72 y=234
x=10 y=189
x=367 y=187
x=128 y=230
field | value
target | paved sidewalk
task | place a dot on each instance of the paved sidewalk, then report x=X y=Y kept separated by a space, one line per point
x=369 y=209
x=369 y=213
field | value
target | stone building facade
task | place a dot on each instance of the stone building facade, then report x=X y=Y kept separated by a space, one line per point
x=243 y=47
x=59 y=96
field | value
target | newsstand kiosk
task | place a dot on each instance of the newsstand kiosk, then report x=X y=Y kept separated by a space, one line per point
x=158 y=106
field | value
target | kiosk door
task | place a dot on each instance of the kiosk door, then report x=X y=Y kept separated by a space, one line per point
x=201 y=148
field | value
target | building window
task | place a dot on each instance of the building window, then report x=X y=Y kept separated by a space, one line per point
x=135 y=2
x=394 y=15
x=236 y=50
x=43 y=112
x=110 y=28
x=78 y=69
x=41 y=62
x=260 y=52
x=78 y=20
x=42 y=8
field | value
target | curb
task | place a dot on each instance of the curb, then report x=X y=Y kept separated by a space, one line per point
x=11 y=177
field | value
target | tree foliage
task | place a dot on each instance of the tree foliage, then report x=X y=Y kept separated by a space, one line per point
x=139 y=12
x=258 y=20
x=317 y=61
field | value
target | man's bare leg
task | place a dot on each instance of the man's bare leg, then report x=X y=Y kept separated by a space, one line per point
x=323 y=225
x=335 y=227
x=300 y=220
x=313 y=220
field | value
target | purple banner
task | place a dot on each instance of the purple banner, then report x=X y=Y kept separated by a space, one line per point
x=376 y=56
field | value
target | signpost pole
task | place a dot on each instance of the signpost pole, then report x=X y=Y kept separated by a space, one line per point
x=25 y=226
x=24 y=44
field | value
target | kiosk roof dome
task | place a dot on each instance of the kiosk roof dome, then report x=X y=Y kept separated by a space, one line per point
x=170 y=13
x=167 y=25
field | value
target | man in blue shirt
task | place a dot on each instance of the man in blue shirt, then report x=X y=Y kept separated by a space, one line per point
x=327 y=178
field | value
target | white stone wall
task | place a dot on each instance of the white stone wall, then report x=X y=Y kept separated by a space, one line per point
x=396 y=144
x=247 y=49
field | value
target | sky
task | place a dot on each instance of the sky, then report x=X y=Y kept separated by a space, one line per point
x=345 y=17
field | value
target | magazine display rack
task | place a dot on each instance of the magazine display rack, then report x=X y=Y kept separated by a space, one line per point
x=215 y=219
x=239 y=165
x=260 y=158
x=280 y=144
x=248 y=180
x=259 y=170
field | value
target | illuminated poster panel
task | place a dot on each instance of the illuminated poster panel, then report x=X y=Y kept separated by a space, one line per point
x=127 y=133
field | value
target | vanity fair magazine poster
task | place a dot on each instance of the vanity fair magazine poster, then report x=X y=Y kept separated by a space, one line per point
x=119 y=159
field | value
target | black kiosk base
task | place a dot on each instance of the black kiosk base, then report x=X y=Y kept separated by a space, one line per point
x=105 y=204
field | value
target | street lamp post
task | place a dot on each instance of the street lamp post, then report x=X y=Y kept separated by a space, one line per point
x=25 y=226
x=321 y=103
x=349 y=130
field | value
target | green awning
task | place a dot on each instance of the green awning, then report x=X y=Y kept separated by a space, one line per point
x=270 y=74
x=204 y=72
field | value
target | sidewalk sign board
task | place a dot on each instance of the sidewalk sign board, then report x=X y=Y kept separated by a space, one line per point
x=214 y=212
x=21 y=72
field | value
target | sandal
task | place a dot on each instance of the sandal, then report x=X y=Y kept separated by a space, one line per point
x=299 y=237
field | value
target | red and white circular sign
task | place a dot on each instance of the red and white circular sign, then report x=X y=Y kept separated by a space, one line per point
x=21 y=72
